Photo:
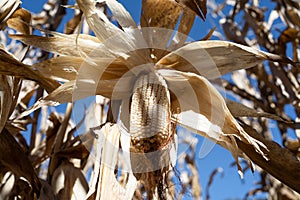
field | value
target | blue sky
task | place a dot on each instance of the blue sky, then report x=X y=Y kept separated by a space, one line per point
x=225 y=187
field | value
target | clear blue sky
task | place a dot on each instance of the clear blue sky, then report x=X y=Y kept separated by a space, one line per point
x=229 y=186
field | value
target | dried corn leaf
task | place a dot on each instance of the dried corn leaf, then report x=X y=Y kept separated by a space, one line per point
x=198 y=6
x=184 y=28
x=10 y=66
x=89 y=83
x=283 y=164
x=62 y=68
x=7 y=8
x=202 y=109
x=97 y=21
x=104 y=184
x=79 y=151
x=121 y=15
x=20 y=21
x=209 y=34
x=215 y=58
x=160 y=13
x=62 y=94
x=69 y=45
x=239 y=110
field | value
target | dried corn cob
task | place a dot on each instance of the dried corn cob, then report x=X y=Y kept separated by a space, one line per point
x=150 y=113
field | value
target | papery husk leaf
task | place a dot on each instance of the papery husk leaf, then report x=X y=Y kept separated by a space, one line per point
x=69 y=45
x=97 y=21
x=198 y=106
x=62 y=68
x=121 y=15
x=94 y=79
x=104 y=184
x=20 y=21
x=215 y=58
x=199 y=124
x=68 y=182
x=239 y=110
x=107 y=77
x=160 y=14
x=10 y=66
x=7 y=8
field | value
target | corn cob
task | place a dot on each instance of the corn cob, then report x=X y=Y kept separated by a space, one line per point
x=149 y=113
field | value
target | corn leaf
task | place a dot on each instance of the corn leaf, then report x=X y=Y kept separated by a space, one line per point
x=215 y=58
x=69 y=45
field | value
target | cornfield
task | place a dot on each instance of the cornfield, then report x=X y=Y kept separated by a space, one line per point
x=139 y=85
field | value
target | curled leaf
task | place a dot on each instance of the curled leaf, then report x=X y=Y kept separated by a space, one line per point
x=20 y=21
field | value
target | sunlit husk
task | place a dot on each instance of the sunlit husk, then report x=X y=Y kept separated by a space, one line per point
x=198 y=106
x=69 y=45
x=104 y=184
x=214 y=58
